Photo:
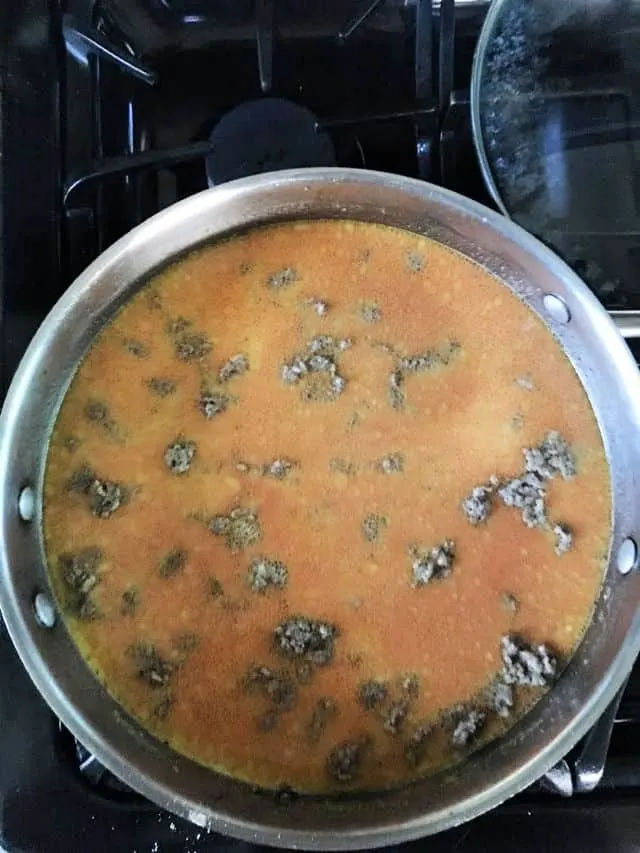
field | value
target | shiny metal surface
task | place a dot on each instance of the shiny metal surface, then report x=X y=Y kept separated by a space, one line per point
x=537 y=742
x=82 y=45
x=628 y=323
x=554 y=109
x=477 y=69
x=589 y=765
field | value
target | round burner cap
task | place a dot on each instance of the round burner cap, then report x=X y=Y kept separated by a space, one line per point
x=264 y=136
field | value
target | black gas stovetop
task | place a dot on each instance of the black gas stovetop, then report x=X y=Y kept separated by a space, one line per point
x=275 y=84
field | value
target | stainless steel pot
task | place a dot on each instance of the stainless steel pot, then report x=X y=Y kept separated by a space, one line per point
x=591 y=680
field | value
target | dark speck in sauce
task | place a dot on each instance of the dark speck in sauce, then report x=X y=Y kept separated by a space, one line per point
x=136 y=348
x=373 y=526
x=161 y=387
x=510 y=603
x=410 y=685
x=79 y=574
x=268 y=721
x=150 y=666
x=324 y=712
x=214 y=588
x=392 y=463
x=173 y=563
x=72 y=443
x=81 y=479
x=342 y=466
x=415 y=262
x=277 y=688
x=213 y=403
x=192 y=346
x=417 y=745
x=178 y=326
x=279 y=468
x=396 y=389
x=370 y=312
x=344 y=761
x=282 y=278
x=372 y=694
x=304 y=672
x=96 y=411
x=395 y=716
x=162 y=710
x=185 y=644
x=130 y=601
x=275 y=685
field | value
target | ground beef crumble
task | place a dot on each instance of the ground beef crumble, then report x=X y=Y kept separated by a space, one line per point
x=501 y=697
x=265 y=574
x=212 y=403
x=305 y=638
x=395 y=717
x=526 y=493
x=432 y=563
x=477 y=506
x=179 y=455
x=467 y=725
x=392 y=463
x=318 y=367
x=416 y=747
x=276 y=686
x=105 y=498
x=237 y=365
x=240 y=528
x=551 y=458
x=526 y=666
x=563 y=538
x=344 y=762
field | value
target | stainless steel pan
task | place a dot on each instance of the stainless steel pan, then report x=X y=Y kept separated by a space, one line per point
x=605 y=366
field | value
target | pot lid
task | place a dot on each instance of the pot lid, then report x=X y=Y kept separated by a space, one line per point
x=556 y=113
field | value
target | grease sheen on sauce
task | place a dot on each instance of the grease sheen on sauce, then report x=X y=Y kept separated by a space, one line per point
x=462 y=422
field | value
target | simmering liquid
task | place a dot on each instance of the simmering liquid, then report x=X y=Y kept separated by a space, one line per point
x=326 y=507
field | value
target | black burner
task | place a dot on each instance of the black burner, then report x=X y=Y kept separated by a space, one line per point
x=265 y=135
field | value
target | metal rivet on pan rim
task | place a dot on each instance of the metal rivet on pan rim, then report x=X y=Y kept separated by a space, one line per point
x=627 y=558
x=44 y=609
x=27 y=504
x=556 y=308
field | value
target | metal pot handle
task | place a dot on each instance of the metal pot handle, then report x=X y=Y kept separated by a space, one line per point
x=582 y=771
x=628 y=323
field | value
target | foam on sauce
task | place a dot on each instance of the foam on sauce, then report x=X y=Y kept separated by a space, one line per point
x=254 y=511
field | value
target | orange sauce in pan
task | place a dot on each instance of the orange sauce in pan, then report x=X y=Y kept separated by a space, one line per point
x=195 y=505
